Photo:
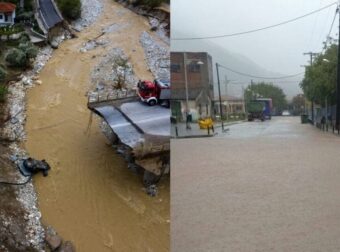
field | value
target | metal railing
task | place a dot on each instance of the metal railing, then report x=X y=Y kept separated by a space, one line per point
x=104 y=96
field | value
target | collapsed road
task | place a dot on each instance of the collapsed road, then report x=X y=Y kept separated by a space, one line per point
x=142 y=130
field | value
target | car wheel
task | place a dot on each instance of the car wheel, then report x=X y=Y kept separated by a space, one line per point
x=152 y=102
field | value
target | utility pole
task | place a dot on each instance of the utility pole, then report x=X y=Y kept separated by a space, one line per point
x=226 y=96
x=186 y=91
x=312 y=54
x=219 y=94
x=337 y=117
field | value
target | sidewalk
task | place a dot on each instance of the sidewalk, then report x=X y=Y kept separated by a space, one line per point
x=195 y=131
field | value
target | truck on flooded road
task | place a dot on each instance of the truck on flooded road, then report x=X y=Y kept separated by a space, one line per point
x=268 y=107
x=259 y=109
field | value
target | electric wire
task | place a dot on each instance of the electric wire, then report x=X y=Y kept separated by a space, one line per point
x=314 y=25
x=330 y=30
x=324 y=27
x=258 y=29
x=260 y=77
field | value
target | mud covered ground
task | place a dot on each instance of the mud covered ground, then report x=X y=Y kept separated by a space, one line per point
x=12 y=222
x=15 y=231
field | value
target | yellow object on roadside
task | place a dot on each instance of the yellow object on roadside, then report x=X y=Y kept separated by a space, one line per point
x=205 y=123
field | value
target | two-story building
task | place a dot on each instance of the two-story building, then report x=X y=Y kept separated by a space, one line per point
x=198 y=87
x=7 y=13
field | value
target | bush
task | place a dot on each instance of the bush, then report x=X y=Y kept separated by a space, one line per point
x=3 y=93
x=150 y=3
x=3 y=74
x=9 y=30
x=24 y=38
x=71 y=9
x=31 y=52
x=16 y=58
x=20 y=57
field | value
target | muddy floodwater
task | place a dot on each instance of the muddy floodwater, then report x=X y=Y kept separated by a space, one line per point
x=90 y=197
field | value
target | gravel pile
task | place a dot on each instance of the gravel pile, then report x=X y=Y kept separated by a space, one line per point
x=157 y=56
x=105 y=74
x=90 y=10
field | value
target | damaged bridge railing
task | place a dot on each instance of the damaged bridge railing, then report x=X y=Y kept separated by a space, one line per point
x=110 y=95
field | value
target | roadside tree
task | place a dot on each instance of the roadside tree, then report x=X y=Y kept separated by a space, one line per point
x=319 y=82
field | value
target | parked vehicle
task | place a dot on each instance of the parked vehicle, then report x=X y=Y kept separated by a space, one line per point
x=256 y=110
x=285 y=113
x=156 y=92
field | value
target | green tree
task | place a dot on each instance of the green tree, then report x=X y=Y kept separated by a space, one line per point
x=267 y=90
x=297 y=104
x=16 y=58
x=71 y=9
x=319 y=81
x=21 y=56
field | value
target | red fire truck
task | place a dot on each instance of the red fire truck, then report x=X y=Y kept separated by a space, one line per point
x=155 y=92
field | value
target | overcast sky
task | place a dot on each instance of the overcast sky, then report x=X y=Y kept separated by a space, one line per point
x=278 y=49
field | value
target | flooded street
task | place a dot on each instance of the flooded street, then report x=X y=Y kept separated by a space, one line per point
x=90 y=197
x=270 y=186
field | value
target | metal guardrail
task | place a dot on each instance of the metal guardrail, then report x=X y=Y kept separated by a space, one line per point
x=112 y=95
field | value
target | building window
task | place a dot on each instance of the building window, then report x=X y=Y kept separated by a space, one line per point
x=194 y=68
x=175 y=68
x=1 y=16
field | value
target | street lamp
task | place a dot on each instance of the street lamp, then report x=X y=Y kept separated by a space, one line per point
x=185 y=62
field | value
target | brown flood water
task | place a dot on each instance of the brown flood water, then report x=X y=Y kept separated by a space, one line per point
x=90 y=197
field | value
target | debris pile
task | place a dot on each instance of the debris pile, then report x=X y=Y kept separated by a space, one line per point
x=115 y=28
x=92 y=44
x=113 y=77
x=157 y=56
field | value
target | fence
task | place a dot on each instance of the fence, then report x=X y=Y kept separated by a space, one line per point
x=324 y=118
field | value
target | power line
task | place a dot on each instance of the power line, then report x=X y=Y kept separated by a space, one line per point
x=258 y=29
x=330 y=30
x=260 y=77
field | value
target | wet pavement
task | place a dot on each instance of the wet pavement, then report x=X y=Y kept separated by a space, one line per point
x=271 y=186
x=154 y=120
x=194 y=131
x=90 y=197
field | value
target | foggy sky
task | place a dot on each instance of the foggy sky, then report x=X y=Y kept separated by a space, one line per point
x=278 y=49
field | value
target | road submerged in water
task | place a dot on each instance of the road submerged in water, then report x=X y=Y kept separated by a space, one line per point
x=90 y=197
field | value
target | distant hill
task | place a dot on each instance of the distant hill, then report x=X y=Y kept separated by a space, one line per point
x=237 y=62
